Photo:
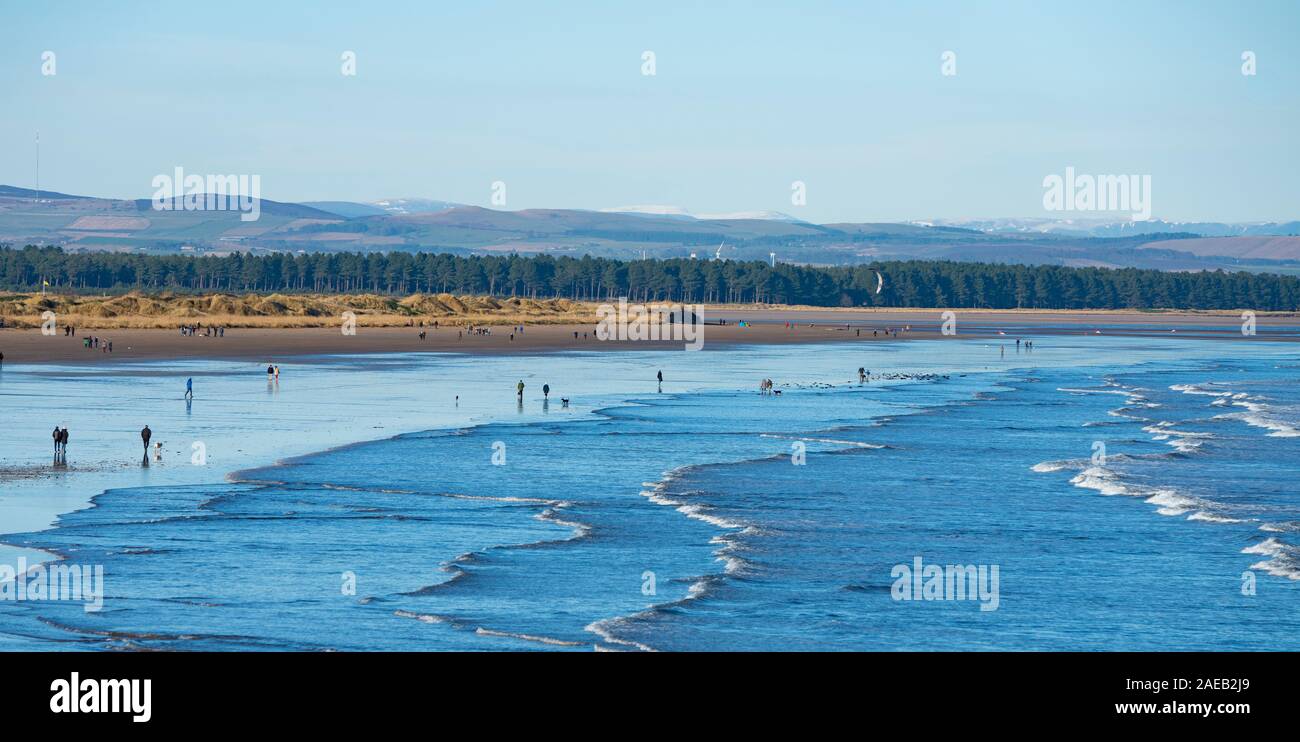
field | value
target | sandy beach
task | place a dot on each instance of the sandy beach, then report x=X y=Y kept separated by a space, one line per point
x=763 y=326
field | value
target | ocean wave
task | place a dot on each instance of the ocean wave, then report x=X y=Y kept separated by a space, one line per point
x=1209 y=517
x=1101 y=479
x=604 y=628
x=829 y=441
x=1183 y=441
x=728 y=545
x=1284 y=558
x=1172 y=502
x=1075 y=464
x=1282 y=421
x=423 y=617
x=528 y=637
x=1200 y=390
x=1292 y=526
x=551 y=515
x=1051 y=466
x=1123 y=412
x=1260 y=414
x=1168 y=501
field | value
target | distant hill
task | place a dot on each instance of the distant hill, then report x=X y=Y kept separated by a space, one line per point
x=1242 y=248
x=411 y=205
x=15 y=192
x=1111 y=227
x=677 y=212
x=346 y=209
x=266 y=206
x=82 y=223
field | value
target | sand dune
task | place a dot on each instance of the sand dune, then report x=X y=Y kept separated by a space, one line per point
x=169 y=310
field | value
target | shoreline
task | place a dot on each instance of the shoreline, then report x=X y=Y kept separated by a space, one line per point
x=765 y=327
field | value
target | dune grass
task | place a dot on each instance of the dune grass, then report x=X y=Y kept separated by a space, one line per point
x=169 y=310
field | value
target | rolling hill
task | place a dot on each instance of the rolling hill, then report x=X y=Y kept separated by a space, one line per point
x=81 y=223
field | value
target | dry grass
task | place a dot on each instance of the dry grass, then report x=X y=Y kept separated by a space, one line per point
x=168 y=310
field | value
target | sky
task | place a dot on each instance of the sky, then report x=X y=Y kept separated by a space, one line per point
x=747 y=98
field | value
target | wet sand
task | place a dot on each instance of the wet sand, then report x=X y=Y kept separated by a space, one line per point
x=766 y=326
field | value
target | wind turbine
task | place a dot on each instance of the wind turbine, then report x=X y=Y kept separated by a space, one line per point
x=718 y=255
x=772 y=255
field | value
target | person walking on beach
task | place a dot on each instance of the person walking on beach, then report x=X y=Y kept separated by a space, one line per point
x=63 y=443
x=277 y=374
x=270 y=372
x=661 y=377
x=546 y=392
x=189 y=388
x=862 y=374
x=145 y=435
x=519 y=389
x=58 y=439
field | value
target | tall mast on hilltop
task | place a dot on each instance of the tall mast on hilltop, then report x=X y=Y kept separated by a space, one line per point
x=38 y=166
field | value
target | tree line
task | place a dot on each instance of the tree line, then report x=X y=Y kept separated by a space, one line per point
x=911 y=283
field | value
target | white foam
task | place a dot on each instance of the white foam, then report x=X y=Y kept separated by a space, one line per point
x=1199 y=390
x=1170 y=502
x=599 y=628
x=831 y=441
x=700 y=512
x=1184 y=441
x=527 y=637
x=1268 y=547
x=1101 y=479
x=423 y=617
x=1263 y=415
x=1283 y=561
x=1208 y=517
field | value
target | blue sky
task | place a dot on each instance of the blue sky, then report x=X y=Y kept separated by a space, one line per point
x=747 y=98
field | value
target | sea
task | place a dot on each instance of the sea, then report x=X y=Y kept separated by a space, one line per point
x=1093 y=493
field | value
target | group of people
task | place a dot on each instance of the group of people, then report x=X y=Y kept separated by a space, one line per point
x=90 y=342
x=423 y=333
x=60 y=436
x=546 y=394
x=766 y=386
x=94 y=343
x=198 y=329
x=60 y=445
x=272 y=373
